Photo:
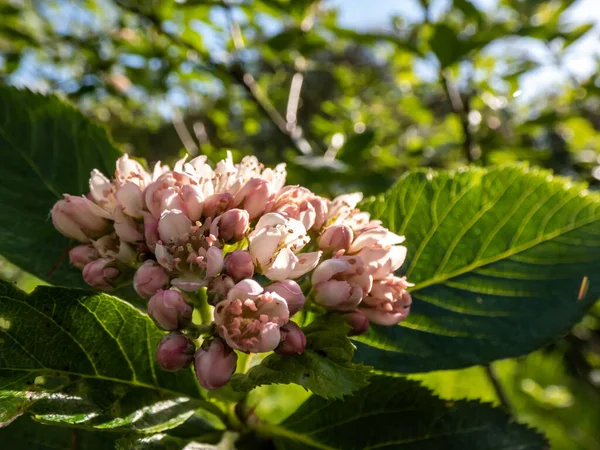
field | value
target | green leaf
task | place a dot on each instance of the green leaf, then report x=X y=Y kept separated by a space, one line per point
x=497 y=256
x=74 y=357
x=540 y=393
x=26 y=434
x=159 y=442
x=324 y=368
x=47 y=148
x=352 y=150
x=469 y=10
x=446 y=45
x=372 y=38
x=400 y=414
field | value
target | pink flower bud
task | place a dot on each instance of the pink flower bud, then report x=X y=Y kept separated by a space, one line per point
x=163 y=194
x=336 y=238
x=101 y=274
x=388 y=303
x=194 y=201
x=125 y=227
x=291 y=293
x=341 y=283
x=255 y=196
x=170 y=310
x=238 y=265
x=175 y=352
x=214 y=363
x=130 y=170
x=358 y=322
x=214 y=261
x=78 y=218
x=102 y=190
x=150 y=230
x=293 y=341
x=218 y=287
x=231 y=225
x=301 y=204
x=81 y=255
x=217 y=204
x=131 y=199
x=173 y=225
x=149 y=278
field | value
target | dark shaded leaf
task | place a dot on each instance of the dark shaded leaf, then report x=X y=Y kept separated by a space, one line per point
x=88 y=359
x=26 y=434
x=353 y=149
x=446 y=45
x=400 y=414
x=47 y=148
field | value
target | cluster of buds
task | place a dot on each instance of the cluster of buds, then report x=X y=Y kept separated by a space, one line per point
x=246 y=240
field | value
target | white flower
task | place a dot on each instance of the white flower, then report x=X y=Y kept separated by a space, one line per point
x=274 y=244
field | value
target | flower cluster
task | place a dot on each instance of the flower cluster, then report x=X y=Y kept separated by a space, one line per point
x=246 y=240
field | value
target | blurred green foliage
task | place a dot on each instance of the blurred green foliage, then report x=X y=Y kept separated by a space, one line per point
x=346 y=109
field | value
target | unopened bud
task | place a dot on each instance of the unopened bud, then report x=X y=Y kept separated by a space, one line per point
x=76 y=218
x=218 y=287
x=175 y=352
x=150 y=230
x=126 y=227
x=359 y=323
x=130 y=197
x=193 y=199
x=149 y=278
x=173 y=225
x=255 y=195
x=214 y=363
x=81 y=255
x=336 y=238
x=169 y=310
x=101 y=274
x=217 y=204
x=231 y=225
x=293 y=341
x=291 y=293
x=239 y=265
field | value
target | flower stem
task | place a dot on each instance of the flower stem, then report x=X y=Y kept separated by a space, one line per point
x=200 y=300
x=502 y=397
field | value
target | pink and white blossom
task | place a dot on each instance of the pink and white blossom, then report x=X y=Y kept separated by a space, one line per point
x=291 y=292
x=250 y=319
x=388 y=302
x=79 y=218
x=274 y=244
x=341 y=283
x=336 y=238
x=299 y=203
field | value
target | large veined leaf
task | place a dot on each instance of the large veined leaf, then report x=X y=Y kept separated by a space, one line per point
x=400 y=414
x=160 y=442
x=47 y=148
x=26 y=434
x=74 y=357
x=498 y=258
